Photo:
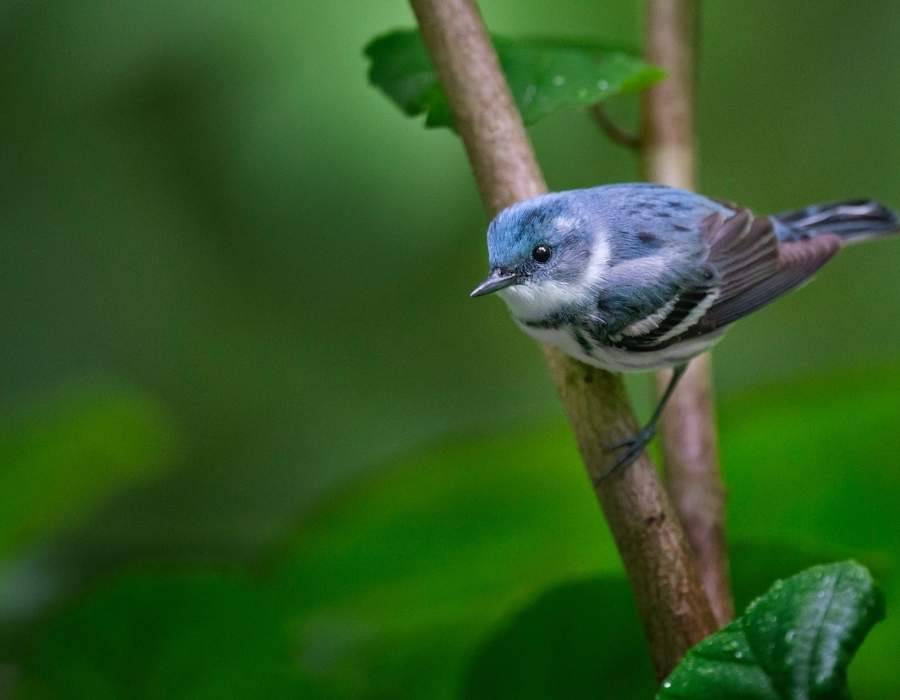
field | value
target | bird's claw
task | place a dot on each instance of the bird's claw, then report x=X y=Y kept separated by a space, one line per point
x=641 y=437
x=633 y=447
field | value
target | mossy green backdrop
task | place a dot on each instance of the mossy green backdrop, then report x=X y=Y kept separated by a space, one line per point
x=246 y=395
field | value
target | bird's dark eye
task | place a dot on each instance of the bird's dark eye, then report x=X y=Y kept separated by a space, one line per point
x=541 y=253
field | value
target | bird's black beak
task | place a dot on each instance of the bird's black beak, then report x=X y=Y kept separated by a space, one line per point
x=498 y=279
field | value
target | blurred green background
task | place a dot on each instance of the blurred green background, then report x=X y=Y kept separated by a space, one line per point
x=257 y=439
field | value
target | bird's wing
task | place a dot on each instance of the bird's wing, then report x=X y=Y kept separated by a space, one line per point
x=746 y=267
x=754 y=268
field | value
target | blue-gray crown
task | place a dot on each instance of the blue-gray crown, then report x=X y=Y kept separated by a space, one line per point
x=548 y=219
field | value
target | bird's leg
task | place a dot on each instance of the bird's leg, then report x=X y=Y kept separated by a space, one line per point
x=636 y=443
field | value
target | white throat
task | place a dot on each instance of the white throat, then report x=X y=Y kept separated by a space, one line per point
x=535 y=301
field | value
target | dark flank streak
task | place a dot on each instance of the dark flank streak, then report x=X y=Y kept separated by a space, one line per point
x=545 y=324
x=598 y=332
x=551 y=322
x=582 y=341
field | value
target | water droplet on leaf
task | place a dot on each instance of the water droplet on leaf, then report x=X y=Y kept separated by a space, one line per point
x=530 y=92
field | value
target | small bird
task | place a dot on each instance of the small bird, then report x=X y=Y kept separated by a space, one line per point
x=637 y=277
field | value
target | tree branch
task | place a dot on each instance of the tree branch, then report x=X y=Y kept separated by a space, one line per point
x=657 y=558
x=688 y=425
x=613 y=131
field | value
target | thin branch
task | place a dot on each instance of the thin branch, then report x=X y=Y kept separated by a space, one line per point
x=688 y=426
x=613 y=131
x=657 y=558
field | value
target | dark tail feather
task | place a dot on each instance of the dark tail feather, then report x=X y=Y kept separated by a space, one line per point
x=853 y=221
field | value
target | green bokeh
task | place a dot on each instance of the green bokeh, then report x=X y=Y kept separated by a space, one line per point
x=208 y=203
x=476 y=554
x=70 y=452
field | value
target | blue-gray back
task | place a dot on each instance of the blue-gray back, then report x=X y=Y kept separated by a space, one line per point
x=642 y=218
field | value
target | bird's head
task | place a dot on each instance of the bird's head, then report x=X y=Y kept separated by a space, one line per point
x=540 y=253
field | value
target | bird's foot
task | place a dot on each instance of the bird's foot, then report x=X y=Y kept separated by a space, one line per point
x=632 y=448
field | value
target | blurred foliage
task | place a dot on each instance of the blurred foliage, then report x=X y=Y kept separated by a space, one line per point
x=69 y=453
x=210 y=206
x=576 y=638
x=544 y=75
x=482 y=553
x=197 y=208
x=194 y=636
x=795 y=641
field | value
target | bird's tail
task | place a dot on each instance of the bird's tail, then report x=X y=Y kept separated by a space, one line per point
x=854 y=221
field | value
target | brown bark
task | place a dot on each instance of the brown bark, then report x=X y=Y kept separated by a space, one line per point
x=673 y=608
x=688 y=424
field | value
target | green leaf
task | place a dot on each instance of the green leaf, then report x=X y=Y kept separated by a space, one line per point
x=62 y=457
x=544 y=75
x=793 y=643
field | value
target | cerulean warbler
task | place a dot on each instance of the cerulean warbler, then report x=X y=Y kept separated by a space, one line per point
x=636 y=277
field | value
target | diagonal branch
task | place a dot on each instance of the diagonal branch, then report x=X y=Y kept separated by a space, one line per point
x=688 y=424
x=657 y=558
